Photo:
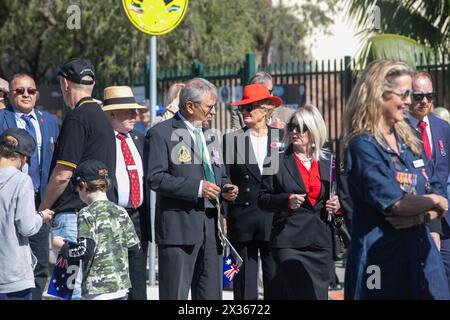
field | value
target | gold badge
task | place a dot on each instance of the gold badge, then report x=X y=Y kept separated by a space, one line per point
x=184 y=155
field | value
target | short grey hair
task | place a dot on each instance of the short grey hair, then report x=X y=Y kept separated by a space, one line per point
x=20 y=75
x=194 y=91
x=310 y=117
x=261 y=77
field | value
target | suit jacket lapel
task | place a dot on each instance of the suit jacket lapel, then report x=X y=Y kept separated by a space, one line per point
x=214 y=153
x=10 y=119
x=138 y=142
x=184 y=135
x=435 y=134
x=44 y=133
x=291 y=165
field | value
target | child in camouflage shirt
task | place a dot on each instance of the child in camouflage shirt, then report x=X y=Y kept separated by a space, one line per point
x=106 y=237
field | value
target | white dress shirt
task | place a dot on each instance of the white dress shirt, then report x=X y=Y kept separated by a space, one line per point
x=122 y=178
x=22 y=125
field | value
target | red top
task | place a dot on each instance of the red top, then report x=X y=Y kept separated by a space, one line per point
x=311 y=179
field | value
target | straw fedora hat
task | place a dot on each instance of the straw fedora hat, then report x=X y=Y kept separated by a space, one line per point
x=119 y=98
x=4 y=85
x=257 y=92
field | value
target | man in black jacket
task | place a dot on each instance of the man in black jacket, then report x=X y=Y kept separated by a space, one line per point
x=129 y=187
x=185 y=170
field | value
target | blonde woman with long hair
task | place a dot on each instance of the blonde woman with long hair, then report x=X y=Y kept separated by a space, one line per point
x=394 y=193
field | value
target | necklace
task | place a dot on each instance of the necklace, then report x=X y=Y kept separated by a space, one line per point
x=303 y=158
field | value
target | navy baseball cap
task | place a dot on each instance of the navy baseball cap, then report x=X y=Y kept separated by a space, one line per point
x=89 y=170
x=75 y=69
x=26 y=144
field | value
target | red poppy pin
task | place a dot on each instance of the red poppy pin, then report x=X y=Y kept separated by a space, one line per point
x=441 y=148
x=276 y=145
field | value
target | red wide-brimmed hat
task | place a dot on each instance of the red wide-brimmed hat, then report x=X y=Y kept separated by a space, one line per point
x=256 y=92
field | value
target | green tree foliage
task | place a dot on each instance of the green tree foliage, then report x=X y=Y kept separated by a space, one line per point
x=425 y=21
x=34 y=36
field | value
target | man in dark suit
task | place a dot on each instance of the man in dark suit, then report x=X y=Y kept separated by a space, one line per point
x=184 y=169
x=129 y=190
x=43 y=127
x=435 y=135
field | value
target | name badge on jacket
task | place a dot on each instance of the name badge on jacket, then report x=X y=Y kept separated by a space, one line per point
x=418 y=163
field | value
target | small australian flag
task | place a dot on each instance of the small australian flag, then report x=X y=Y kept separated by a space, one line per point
x=62 y=279
x=231 y=264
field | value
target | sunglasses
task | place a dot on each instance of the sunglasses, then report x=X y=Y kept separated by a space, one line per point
x=295 y=128
x=250 y=107
x=404 y=94
x=420 y=96
x=21 y=90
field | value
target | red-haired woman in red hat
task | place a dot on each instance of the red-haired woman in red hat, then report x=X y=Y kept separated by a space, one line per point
x=299 y=195
x=245 y=151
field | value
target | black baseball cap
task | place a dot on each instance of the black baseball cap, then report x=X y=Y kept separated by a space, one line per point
x=26 y=144
x=75 y=69
x=89 y=170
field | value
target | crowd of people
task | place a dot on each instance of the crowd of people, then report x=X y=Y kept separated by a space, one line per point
x=271 y=186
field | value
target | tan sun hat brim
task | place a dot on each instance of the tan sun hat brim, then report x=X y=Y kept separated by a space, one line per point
x=119 y=98
x=122 y=106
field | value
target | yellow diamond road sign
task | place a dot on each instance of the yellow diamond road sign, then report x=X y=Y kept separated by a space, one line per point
x=155 y=17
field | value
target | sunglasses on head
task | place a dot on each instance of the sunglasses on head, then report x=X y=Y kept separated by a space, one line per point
x=295 y=128
x=420 y=96
x=21 y=90
x=250 y=107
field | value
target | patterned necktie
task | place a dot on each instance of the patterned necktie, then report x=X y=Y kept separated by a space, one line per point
x=426 y=142
x=209 y=175
x=33 y=169
x=132 y=171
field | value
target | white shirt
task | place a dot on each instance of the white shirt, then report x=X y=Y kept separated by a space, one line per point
x=415 y=124
x=122 y=178
x=22 y=125
x=191 y=129
x=260 y=149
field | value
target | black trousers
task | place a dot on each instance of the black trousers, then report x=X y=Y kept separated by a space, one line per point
x=138 y=263
x=245 y=284
x=40 y=247
x=197 y=267
x=304 y=273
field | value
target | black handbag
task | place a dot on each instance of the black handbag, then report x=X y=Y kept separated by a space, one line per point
x=340 y=237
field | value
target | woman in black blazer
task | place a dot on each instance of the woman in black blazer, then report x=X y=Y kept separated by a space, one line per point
x=248 y=226
x=299 y=196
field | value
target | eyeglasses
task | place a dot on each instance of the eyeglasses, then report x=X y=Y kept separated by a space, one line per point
x=419 y=96
x=295 y=128
x=404 y=94
x=250 y=107
x=21 y=90
x=209 y=108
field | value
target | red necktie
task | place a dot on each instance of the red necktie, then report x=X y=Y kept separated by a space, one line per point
x=132 y=173
x=426 y=142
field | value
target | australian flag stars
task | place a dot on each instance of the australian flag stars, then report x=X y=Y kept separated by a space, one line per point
x=62 y=279
x=231 y=264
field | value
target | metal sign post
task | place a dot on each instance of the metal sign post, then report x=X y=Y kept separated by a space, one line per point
x=155 y=18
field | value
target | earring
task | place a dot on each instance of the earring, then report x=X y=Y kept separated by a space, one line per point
x=313 y=145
